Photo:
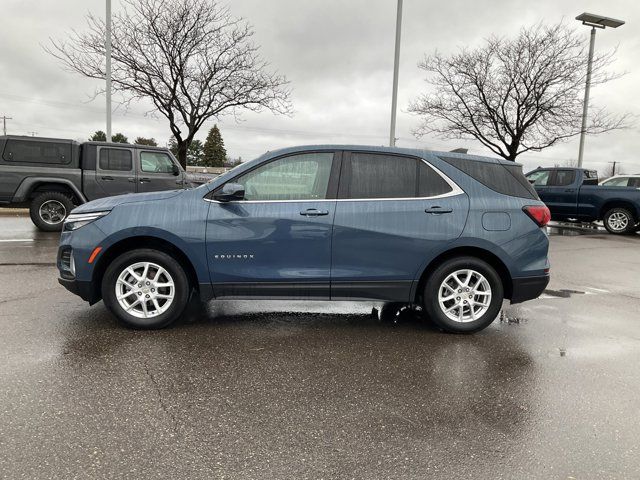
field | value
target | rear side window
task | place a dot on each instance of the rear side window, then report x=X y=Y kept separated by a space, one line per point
x=430 y=183
x=634 y=182
x=505 y=179
x=30 y=151
x=371 y=175
x=115 y=159
x=562 y=178
x=617 y=182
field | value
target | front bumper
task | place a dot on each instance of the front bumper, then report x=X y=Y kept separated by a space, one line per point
x=528 y=288
x=83 y=289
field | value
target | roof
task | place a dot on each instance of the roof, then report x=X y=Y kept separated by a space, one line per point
x=394 y=150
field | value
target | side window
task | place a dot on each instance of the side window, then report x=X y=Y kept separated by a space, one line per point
x=540 y=177
x=634 y=182
x=26 y=151
x=617 y=182
x=564 y=178
x=155 y=162
x=298 y=177
x=372 y=175
x=430 y=183
x=115 y=159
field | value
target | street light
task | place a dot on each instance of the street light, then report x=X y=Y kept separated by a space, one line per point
x=396 y=61
x=107 y=48
x=593 y=21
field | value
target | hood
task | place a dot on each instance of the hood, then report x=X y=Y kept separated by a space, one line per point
x=107 y=203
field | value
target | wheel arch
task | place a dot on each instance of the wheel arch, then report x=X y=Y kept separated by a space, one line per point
x=134 y=243
x=466 y=251
x=32 y=186
x=618 y=203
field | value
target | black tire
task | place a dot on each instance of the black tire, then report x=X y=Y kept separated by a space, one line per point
x=625 y=221
x=161 y=259
x=432 y=305
x=49 y=209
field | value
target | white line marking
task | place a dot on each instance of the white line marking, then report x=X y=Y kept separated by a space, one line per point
x=17 y=240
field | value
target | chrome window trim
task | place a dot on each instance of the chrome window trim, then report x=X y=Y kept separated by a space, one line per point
x=456 y=190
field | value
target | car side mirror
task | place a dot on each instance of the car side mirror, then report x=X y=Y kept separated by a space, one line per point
x=531 y=181
x=176 y=170
x=230 y=191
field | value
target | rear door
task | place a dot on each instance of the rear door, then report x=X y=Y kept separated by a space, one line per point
x=157 y=171
x=392 y=210
x=561 y=195
x=115 y=173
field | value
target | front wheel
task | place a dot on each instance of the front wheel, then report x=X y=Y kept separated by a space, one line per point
x=463 y=295
x=145 y=289
x=619 y=221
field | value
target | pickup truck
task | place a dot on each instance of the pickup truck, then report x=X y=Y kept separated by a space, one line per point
x=51 y=176
x=573 y=194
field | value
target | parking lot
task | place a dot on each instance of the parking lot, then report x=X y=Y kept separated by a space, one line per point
x=298 y=390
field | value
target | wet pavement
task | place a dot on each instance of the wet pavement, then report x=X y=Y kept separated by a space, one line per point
x=323 y=390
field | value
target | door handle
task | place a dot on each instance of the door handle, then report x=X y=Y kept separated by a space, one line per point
x=569 y=190
x=314 y=212
x=144 y=180
x=107 y=178
x=437 y=210
x=131 y=179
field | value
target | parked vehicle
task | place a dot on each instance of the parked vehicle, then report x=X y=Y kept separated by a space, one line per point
x=51 y=175
x=573 y=194
x=622 y=181
x=451 y=232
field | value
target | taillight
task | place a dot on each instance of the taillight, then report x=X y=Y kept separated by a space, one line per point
x=538 y=213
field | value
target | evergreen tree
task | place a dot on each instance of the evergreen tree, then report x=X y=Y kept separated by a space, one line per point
x=119 y=138
x=195 y=153
x=98 y=136
x=173 y=146
x=214 y=152
x=146 y=141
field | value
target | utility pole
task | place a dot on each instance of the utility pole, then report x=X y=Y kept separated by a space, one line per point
x=613 y=170
x=396 y=60
x=585 y=105
x=107 y=49
x=4 y=123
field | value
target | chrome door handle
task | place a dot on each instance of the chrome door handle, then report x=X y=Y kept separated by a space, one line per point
x=437 y=210
x=314 y=212
x=144 y=180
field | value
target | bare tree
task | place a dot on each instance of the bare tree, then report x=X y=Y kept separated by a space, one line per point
x=191 y=58
x=515 y=95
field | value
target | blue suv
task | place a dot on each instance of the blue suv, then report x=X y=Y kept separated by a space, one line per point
x=455 y=234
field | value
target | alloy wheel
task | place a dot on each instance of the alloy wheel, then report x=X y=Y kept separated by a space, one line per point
x=145 y=290
x=464 y=295
x=52 y=212
x=618 y=221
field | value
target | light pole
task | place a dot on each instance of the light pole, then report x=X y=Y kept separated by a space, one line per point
x=107 y=48
x=394 y=95
x=593 y=21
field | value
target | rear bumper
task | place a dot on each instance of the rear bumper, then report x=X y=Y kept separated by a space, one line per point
x=528 y=288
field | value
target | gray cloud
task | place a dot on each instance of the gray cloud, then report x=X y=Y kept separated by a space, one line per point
x=338 y=56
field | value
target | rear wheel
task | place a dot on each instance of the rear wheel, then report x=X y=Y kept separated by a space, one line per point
x=49 y=209
x=463 y=295
x=619 y=221
x=145 y=289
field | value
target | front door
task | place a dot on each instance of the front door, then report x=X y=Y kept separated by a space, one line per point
x=392 y=211
x=115 y=173
x=277 y=241
x=157 y=171
x=561 y=194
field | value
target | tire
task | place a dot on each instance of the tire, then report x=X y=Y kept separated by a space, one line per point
x=49 y=209
x=619 y=221
x=484 y=280
x=170 y=302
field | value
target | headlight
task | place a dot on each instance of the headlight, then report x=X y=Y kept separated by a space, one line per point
x=77 y=220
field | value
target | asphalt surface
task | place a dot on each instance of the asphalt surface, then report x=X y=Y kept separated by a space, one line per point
x=298 y=390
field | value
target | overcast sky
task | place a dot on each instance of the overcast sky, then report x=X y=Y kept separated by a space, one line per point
x=338 y=56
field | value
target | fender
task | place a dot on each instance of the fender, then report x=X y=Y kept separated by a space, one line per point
x=460 y=242
x=22 y=192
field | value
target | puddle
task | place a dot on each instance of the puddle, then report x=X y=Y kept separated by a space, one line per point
x=563 y=293
x=573 y=230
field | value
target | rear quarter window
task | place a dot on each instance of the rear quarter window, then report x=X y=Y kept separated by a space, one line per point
x=505 y=179
x=32 y=151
